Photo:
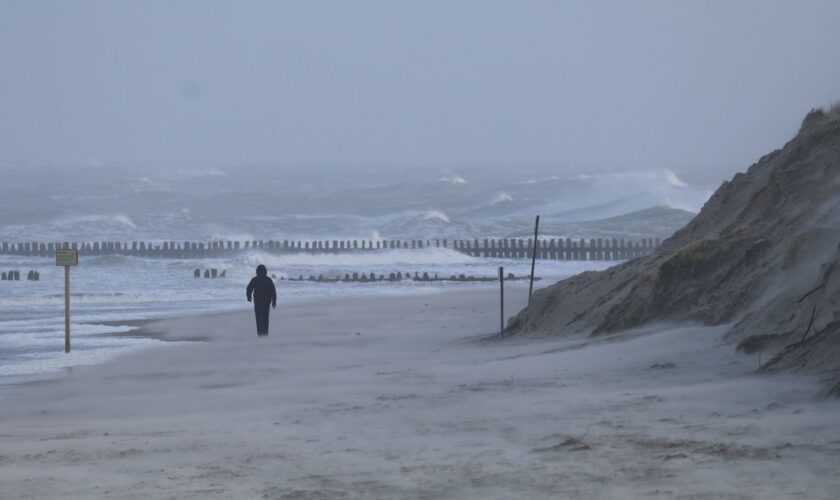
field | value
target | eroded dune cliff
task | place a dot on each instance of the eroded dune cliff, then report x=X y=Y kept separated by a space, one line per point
x=761 y=255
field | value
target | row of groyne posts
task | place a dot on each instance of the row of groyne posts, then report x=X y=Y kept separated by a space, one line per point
x=547 y=249
x=15 y=276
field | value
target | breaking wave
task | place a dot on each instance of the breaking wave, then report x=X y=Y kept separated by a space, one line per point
x=673 y=180
x=375 y=258
x=436 y=215
x=501 y=198
x=454 y=180
x=107 y=220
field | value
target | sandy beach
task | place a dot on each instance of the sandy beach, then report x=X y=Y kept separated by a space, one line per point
x=407 y=397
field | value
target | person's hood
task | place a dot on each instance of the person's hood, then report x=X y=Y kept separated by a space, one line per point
x=261 y=270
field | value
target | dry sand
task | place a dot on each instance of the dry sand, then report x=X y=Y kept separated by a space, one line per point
x=401 y=398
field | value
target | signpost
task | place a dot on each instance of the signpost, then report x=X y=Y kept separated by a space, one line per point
x=66 y=257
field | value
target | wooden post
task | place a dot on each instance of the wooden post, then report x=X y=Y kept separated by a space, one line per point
x=534 y=258
x=502 y=300
x=66 y=308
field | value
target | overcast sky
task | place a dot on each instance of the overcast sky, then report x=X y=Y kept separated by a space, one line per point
x=665 y=84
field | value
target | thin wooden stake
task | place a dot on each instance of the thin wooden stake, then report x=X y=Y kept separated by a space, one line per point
x=66 y=306
x=502 y=300
x=534 y=258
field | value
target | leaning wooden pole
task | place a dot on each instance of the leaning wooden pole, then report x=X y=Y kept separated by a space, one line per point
x=534 y=258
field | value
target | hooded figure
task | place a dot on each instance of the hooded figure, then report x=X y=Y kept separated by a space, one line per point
x=264 y=293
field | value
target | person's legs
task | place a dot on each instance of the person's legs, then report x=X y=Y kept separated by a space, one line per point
x=264 y=312
x=257 y=316
x=264 y=309
x=261 y=314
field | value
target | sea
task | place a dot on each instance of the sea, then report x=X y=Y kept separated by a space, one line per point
x=119 y=202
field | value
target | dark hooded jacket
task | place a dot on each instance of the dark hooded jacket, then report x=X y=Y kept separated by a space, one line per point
x=262 y=288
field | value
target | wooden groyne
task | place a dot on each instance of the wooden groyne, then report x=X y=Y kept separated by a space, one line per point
x=14 y=276
x=509 y=248
x=400 y=277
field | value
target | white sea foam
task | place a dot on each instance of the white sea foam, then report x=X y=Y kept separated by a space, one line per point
x=529 y=182
x=455 y=180
x=147 y=184
x=194 y=173
x=152 y=296
x=436 y=215
x=673 y=180
x=218 y=233
x=378 y=258
x=44 y=337
x=667 y=203
x=98 y=219
x=617 y=176
x=501 y=198
x=36 y=364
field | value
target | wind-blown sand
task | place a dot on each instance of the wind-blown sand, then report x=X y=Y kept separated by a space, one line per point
x=401 y=398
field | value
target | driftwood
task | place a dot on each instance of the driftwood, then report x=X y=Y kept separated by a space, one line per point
x=819 y=287
x=810 y=323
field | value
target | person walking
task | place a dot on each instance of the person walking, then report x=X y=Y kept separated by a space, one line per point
x=264 y=294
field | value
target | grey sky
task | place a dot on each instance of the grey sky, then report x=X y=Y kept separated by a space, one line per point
x=620 y=84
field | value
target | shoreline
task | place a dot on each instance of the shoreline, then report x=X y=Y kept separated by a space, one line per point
x=399 y=397
x=163 y=328
x=166 y=329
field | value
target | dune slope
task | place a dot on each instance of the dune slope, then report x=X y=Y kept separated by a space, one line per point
x=760 y=255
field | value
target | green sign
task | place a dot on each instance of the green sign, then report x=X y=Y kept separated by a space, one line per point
x=66 y=257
